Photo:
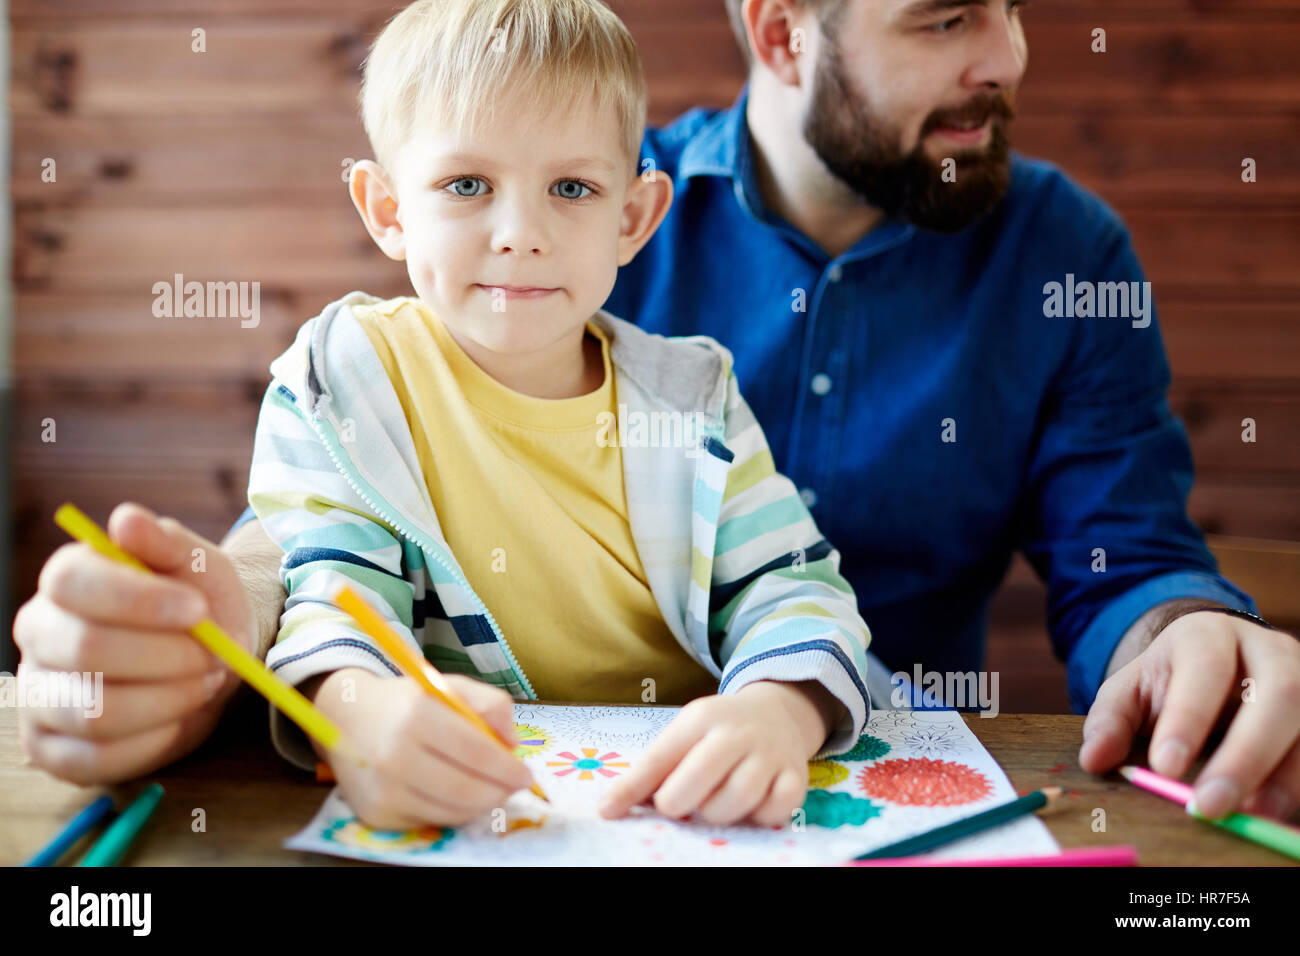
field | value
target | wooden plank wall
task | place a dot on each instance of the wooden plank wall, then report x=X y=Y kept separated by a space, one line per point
x=226 y=165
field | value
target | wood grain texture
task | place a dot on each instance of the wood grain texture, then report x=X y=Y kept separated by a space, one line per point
x=256 y=800
x=1135 y=161
x=226 y=165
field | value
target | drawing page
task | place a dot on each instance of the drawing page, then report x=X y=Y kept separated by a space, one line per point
x=911 y=771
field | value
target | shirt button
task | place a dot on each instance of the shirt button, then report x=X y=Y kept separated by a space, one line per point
x=835 y=273
x=820 y=384
x=808 y=496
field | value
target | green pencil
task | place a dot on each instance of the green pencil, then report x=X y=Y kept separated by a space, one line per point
x=949 y=832
x=1277 y=836
x=117 y=838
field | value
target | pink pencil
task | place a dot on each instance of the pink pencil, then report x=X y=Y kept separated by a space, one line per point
x=1274 y=834
x=1174 y=790
x=1094 y=856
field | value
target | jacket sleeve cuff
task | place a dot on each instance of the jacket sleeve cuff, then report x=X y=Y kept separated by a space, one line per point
x=1091 y=655
x=826 y=666
x=324 y=657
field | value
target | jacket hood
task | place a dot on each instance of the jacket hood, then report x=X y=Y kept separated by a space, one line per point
x=335 y=374
x=684 y=374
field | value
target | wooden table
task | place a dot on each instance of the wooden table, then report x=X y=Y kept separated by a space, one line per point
x=254 y=800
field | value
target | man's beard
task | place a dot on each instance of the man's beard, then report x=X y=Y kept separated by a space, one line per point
x=863 y=152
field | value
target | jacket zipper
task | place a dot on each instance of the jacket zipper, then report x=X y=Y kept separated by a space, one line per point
x=416 y=540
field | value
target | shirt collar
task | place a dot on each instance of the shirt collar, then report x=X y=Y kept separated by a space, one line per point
x=723 y=147
x=712 y=151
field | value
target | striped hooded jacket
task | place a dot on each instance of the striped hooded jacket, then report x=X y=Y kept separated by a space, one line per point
x=744 y=580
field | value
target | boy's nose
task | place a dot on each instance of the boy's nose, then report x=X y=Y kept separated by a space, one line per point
x=521 y=239
x=519 y=229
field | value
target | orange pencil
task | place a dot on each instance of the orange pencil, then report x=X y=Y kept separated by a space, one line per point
x=414 y=665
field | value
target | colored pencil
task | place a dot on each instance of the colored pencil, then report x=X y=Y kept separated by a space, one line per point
x=1092 y=856
x=1270 y=833
x=1170 y=789
x=958 y=829
x=81 y=824
x=295 y=706
x=414 y=665
x=117 y=838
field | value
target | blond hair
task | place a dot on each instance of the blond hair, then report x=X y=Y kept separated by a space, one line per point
x=454 y=59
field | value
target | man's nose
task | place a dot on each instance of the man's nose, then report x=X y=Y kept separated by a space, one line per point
x=1001 y=54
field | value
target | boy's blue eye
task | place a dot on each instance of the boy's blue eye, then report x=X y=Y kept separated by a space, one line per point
x=461 y=182
x=567 y=188
x=572 y=182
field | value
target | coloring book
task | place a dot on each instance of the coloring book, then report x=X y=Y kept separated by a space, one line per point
x=911 y=771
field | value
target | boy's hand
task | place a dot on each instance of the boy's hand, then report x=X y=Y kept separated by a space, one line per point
x=734 y=757
x=425 y=763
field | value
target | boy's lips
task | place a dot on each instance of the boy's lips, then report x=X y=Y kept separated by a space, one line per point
x=518 y=291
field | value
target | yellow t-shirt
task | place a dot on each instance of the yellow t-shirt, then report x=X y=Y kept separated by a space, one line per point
x=534 y=510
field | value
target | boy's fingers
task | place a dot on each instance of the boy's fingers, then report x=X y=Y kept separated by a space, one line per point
x=742 y=791
x=439 y=809
x=704 y=770
x=442 y=788
x=387 y=820
x=788 y=793
x=453 y=738
x=389 y=813
x=429 y=810
x=458 y=787
x=86 y=583
x=493 y=704
x=648 y=772
x=503 y=722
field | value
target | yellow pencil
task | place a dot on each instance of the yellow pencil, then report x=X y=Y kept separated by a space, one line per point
x=414 y=665
x=295 y=706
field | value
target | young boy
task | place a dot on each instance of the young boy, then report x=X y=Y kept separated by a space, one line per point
x=547 y=501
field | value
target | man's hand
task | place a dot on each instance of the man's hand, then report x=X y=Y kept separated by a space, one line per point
x=1206 y=670
x=163 y=692
x=734 y=757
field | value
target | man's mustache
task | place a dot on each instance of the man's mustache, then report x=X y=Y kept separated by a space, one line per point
x=976 y=111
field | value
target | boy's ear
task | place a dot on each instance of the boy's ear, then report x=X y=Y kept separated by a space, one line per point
x=648 y=197
x=376 y=200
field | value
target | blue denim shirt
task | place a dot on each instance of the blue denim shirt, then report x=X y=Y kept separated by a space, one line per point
x=933 y=413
